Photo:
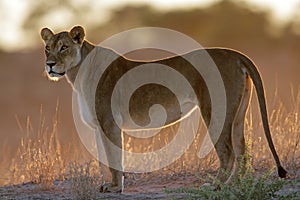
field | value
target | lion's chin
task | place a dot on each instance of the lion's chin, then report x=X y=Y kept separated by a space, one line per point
x=55 y=79
x=53 y=76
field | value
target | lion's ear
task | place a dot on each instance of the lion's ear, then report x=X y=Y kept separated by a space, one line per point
x=77 y=34
x=46 y=34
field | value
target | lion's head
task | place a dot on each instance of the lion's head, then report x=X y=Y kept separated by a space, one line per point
x=62 y=50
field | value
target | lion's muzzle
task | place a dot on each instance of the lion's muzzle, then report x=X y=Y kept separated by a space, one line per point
x=52 y=70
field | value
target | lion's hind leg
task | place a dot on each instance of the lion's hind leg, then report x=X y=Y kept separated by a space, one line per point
x=238 y=139
x=224 y=150
x=223 y=145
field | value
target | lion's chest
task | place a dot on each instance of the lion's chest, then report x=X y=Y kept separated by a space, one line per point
x=85 y=112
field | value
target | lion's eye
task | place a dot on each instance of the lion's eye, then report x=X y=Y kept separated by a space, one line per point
x=47 y=48
x=63 y=47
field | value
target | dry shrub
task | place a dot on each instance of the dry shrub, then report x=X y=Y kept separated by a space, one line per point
x=85 y=180
x=39 y=157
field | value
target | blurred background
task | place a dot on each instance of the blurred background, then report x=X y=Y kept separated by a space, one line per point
x=267 y=31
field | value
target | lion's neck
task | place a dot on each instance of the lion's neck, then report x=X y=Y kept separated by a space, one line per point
x=85 y=50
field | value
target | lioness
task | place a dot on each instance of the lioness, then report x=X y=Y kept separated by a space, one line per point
x=65 y=52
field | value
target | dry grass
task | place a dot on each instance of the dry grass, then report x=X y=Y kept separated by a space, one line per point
x=40 y=158
x=4 y=163
x=285 y=129
x=85 y=180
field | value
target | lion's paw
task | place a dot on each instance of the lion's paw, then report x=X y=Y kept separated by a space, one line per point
x=110 y=188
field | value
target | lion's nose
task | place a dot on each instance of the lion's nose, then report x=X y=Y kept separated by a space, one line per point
x=51 y=64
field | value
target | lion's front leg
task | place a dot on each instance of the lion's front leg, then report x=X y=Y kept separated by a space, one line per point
x=112 y=143
x=117 y=184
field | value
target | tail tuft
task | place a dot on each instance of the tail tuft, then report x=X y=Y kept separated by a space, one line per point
x=282 y=172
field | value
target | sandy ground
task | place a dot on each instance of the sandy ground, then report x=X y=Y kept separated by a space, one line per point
x=29 y=192
x=148 y=188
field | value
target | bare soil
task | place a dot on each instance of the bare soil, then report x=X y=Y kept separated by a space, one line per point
x=139 y=189
x=142 y=188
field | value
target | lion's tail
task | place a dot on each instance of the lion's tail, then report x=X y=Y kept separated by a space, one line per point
x=256 y=78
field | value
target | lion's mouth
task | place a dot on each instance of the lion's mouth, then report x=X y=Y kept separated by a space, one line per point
x=55 y=73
